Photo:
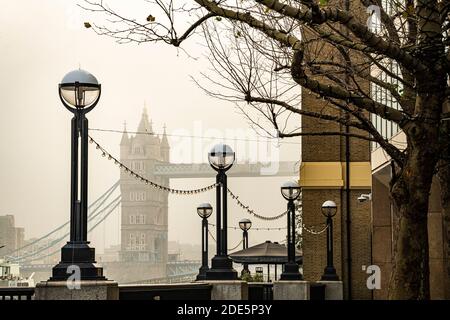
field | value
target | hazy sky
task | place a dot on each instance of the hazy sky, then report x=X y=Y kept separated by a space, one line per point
x=40 y=41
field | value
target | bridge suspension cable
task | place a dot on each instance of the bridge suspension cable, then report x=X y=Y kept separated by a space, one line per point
x=145 y=180
x=114 y=203
x=98 y=203
x=89 y=231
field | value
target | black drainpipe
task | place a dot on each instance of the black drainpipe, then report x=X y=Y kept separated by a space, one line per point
x=348 y=213
x=347 y=193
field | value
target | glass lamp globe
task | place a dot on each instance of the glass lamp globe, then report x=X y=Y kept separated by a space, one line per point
x=221 y=157
x=79 y=89
x=245 y=224
x=204 y=210
x=290 y=190
x=329 y=208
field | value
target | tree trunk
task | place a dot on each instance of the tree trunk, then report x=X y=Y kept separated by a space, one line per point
x=410 y=193
x=410 y=275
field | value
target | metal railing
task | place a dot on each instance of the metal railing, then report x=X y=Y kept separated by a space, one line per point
x=317 y=291
x=16 y=293
x=185 y=291
x=260 y=291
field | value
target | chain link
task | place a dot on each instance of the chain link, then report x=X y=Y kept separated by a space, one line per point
x=307 y=229
x=200 y=190
x=252 y=212
x=254 y=229
x=145 y=180
x=234 y=248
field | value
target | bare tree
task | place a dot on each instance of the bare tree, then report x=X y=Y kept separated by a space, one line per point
x=263 y=51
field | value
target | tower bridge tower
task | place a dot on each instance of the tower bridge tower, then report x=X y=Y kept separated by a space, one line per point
x=144 y=218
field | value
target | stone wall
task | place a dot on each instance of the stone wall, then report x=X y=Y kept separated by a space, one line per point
x=384 y=221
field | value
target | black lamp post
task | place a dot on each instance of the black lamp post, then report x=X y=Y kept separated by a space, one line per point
x=329 y=209
x=79 y=92
x=245 y=225
x=290 y=191
x=221 y=158
x=204 y=211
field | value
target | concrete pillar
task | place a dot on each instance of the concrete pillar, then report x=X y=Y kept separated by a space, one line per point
x=291 y=290
x=334 y=290
x=228 y=290
x=88 y=290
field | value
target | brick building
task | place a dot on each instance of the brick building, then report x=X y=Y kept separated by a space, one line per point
x=384 y=217
x=384 y=223
x=324 y=176
x=372 y=223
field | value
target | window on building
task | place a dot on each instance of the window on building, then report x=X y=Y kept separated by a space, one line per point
x=158 y=218
x=137 y=165
x=137 y=150
x=389 y=73
x=131 y=242
x=142 y=242
x=138 y=196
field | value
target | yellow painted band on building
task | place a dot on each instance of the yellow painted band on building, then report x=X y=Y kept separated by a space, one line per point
x=331 y=175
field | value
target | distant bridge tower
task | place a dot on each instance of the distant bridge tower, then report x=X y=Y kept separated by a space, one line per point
x=144 y=209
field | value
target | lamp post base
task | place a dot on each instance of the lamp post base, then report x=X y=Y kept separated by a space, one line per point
x=291 y=272
x=221 y=269
x=245 y=270
x=329 y=274
x=202 y=273
x=78 y=261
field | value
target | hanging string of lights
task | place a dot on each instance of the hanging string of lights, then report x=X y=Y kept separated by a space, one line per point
x=309 y=230
x=137 y=176
x=252 y=212
x=306 y=228
x=155 y=185
x=257 y=229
